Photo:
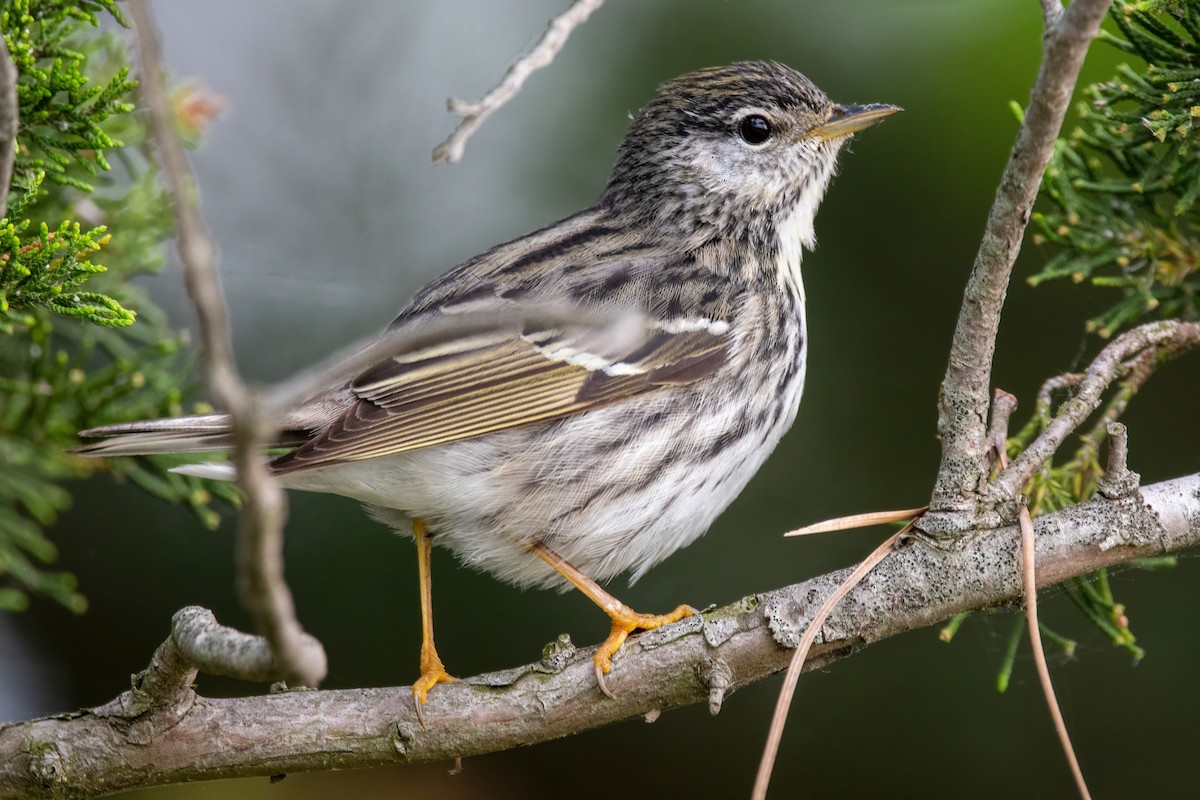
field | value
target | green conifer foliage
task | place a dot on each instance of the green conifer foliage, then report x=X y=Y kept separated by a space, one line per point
x=1126 y=181
x=79 y=344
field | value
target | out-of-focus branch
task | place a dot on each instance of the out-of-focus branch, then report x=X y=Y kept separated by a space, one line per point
x=1167 y=337
x=963 y=402
x=260 y=536
x=473 y=114
x=699 y=660
x=9 y=119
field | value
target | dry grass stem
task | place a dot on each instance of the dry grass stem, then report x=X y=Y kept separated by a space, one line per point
x=1029 y=578
x=858 y=521
x=784 y=702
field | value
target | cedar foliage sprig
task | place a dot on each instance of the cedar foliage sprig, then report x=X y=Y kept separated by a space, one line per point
x=71 y=356
x=1125 y=183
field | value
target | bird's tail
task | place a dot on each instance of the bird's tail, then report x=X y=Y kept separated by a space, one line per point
x=198 y=434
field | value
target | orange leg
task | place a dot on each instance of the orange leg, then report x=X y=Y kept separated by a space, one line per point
x=432 y=671
x=624 y=619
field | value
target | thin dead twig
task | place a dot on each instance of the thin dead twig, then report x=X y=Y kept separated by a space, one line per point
x=260 y=535
x=544 y=52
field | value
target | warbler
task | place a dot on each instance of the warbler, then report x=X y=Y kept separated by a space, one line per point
x=563 y=454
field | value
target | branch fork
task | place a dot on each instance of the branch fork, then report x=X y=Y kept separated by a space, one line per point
x=957 y=504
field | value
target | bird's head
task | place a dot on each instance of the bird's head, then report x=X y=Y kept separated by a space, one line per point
x=734 y=150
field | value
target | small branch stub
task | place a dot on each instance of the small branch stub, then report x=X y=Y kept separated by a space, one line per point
x=718 y=678
x=1119 y=481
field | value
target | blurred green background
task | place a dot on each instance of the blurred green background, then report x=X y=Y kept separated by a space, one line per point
x=319 y=189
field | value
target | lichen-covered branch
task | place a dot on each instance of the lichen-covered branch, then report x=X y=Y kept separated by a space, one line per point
x=965 y=392
x=702 y=659
x=473 y=114
x=260 y=533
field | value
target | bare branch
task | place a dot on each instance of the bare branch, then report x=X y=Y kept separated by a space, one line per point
x=963 y=402
x=9 y=120
x=91 y=752
x=260 y=535
x=1166 y=336
x=473 y=114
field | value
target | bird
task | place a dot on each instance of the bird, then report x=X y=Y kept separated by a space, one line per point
x=618 y=377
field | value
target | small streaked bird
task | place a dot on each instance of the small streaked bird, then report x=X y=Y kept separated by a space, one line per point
x=563 y=454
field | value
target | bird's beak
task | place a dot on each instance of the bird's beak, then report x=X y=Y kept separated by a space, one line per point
x=846 y=120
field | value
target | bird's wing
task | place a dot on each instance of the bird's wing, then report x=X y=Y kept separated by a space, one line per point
x=483 y=382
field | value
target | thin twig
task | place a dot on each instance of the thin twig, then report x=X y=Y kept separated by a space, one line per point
x=1003 y=406
x=9 y=122
x=1167 y=336
x=784 y=701
x=1045 y=395
x=260 y=534
x=963 y=402
x=473 y=114
x=1137 y=371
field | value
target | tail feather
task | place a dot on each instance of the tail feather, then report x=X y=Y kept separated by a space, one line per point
x=199 y=434
x=213 y=470
x=204 y=433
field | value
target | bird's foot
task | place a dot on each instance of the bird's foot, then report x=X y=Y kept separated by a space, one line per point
x=624 y=622
x=432 y=673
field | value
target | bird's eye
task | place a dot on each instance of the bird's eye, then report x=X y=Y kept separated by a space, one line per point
x=755 y=129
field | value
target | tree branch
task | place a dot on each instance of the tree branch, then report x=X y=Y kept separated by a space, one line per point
x=1167 y=336
x=260 y=532
x=473 y=114
x=121 y=745
x=963 y=401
